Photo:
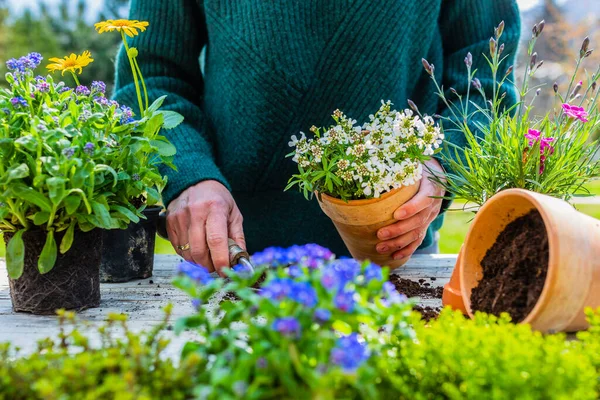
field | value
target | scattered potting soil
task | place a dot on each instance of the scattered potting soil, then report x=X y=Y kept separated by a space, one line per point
x=428 y=313
x=416 y=289
x=514 y=269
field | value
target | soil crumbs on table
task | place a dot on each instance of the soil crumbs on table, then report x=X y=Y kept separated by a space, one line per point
x=514 y=269
x=420 y=289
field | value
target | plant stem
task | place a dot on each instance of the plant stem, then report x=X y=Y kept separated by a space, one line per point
x=75 y=78
x=139 y=71
x=135 y=77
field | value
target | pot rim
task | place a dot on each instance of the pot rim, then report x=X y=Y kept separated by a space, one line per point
x=533 y=199
x=363 y=202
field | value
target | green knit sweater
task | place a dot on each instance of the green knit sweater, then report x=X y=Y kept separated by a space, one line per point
x=277 y=67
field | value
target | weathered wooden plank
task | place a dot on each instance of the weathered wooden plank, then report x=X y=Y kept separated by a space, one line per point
x=143 y=301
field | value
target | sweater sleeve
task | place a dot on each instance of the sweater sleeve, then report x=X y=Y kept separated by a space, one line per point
x=467 y=26
x=169 y=57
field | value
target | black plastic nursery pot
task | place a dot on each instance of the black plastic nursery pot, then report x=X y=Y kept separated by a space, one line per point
x=128 y=254
x=73 y=283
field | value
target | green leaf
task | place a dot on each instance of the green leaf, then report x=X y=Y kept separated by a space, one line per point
x=74 y=110
x=30 y=195
x=172 y=119
x=7 y=148
x=17 y=172
x=156 y=105
x=48 y=255
x=72 y=203
x=165 y=149
x=28 y=142
x=15 y=255
x=102 y=167
x=41 y=217
x=152 y=195
x=101 y=212
x=67 y=240
x=56 y=189
x=126 y=212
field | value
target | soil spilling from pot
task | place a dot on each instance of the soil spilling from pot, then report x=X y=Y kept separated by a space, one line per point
x=514 y=269
x=73 y=283
x=422 y=290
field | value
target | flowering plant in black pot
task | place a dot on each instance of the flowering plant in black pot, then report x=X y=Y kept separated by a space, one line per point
x=71 y=163
x=129 y=254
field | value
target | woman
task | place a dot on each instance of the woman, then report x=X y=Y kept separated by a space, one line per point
x=273 y=68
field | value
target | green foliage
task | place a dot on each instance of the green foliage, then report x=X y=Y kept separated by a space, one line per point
x=491 y=358
x=509 y=148
x=73 y=160
x=125 y=366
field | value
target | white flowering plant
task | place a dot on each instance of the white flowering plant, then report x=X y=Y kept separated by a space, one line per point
x=353 y=162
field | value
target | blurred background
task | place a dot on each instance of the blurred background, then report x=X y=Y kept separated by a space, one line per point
x=56 y=28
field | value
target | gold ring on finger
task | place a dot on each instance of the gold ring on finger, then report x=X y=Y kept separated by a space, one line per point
x=184 y=247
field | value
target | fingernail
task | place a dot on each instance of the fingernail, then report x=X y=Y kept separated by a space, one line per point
x=384 y=234
x=382 y=249
x=400 y=214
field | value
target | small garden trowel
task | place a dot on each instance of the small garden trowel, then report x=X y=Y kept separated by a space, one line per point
x=237 y=255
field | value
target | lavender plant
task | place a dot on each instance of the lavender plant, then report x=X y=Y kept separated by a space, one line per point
x=70 y=159
x=510 y=148
x=316 y=329
x=351 y=162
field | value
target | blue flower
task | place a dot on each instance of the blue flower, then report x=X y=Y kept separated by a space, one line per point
x=64 y=89
x=349 y=353
x=295 y=271
x=288 y=326
x=243 y=270
x=126 y=115
x=103 y=101
x=373 y=272
x=347 y=268
x=98 y=87
x=278 y=289
x=305 y=294
x=68 y=152
x=14 y=65
x=27 y=62
x=135 y=177
x=196 y=303
x=322 y=315
x=344 y=300
x=391 y=295
x=43 y=87
x=35 y=59
x=6 y=111
x=89 y=148
x=195 y=272
x=82 y=90
x=18 y=102
x=329 y=279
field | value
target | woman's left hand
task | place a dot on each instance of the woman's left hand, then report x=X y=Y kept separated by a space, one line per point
x=402 y=238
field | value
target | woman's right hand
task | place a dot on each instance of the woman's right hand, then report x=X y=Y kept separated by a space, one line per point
x=205 y=216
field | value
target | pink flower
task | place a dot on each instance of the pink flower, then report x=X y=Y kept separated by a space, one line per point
x=575 y=112
x=534 y=136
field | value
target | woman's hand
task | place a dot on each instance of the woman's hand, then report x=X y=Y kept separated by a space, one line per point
x=204 y=216
x=404 y=237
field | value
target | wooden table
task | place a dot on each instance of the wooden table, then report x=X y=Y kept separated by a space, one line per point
x=143 y=300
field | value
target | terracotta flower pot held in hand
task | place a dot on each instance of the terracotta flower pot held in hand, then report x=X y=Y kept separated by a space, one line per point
x=358 y=221
x=573 y=276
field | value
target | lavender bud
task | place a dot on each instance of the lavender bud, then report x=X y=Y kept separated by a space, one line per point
x=454 y=91
x=533 y=61
x=501 y=49
x=588 y=53
x=593 y=86
x=428 y=67
x=577 y=89
x=493 y=46
x=539 y=65
x=412 y=105
x=476 y=83
x=437 y=116
x=509 y=70
x=469 y=60
x=584 y=47
x=89 y=148
x=503 y=96
x=541 y=27
x=555 y=87
x=499 y=30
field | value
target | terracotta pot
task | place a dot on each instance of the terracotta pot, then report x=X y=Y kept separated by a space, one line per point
x=452 y=295
x=358 y=221
x=573 y=278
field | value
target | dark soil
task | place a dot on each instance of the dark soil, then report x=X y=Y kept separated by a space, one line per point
x=73 y=283
x=514 y=269
x=419 y=289
x=428 y=313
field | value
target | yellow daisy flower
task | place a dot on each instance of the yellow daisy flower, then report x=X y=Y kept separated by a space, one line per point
x=72 y=63
x=129 y=27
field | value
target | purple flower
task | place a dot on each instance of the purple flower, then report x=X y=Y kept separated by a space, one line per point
x=64 y=89
x=18 y=102
x=35 y=59
x=295 y=271
x=322 y=315
x=344 y=300
x=329 y=279
x=310 y=255
x=196 y=303
x=103 y=101
x=14 y=65
x=243 y=270
x=304 y=293
x=98 y=87
x=261 y=363
x=347 y=269
x=349 y=353
x=42 y=127
x=288 y=326
x=575 y=112
x=373 y=272
x=43 y=87
x=89 y=148
x=195 y=272
x=135 y=177
x=82 y=90
x=534 y=136
x=126 y=115
x=391 y=295
x=27 y=62
x=68 y=152
x=278 y=289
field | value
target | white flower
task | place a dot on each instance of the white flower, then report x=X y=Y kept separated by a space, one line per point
x=295 y=140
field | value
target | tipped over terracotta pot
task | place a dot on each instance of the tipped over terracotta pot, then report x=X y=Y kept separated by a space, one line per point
x=572 y=280
x=358 y=221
